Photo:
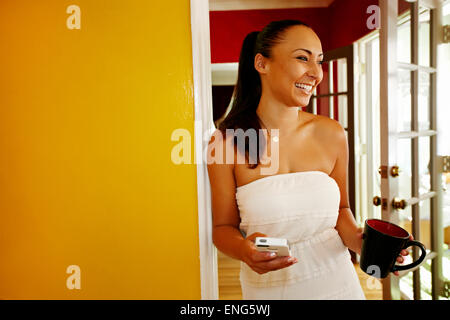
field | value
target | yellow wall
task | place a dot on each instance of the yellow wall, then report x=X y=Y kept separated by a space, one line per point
x=86 y=176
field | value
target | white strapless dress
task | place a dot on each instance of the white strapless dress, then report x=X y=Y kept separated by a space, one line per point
x=302 y=207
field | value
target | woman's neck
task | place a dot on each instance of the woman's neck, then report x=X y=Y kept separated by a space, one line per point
x=276 y=115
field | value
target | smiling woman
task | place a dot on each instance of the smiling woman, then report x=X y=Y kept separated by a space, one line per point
x=267 y=75
x=306 y=201
x=291 y=66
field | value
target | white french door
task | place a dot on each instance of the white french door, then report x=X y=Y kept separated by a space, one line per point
x=409 y=174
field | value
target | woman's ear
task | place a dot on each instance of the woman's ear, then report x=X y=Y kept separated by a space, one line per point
x=261 y=64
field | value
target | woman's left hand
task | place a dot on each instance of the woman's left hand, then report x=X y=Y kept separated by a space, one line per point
x=400 y=258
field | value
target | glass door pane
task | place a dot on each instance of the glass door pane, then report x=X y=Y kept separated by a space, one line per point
x=424 y=36
x=331 y=98
x=406 y=285
x=424 y=165
x=404 y=163
x=424 y=101
x=404 y=100
x=425 y=223
x=404 y=32
x=425 y=281
x=341 y=65
x=341 y=106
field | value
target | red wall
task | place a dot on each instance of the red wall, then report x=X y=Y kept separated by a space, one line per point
x=229 y=28
x=347 y=22
x=338 y=25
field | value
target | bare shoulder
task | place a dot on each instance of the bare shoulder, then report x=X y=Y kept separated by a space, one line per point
x=218 y=146
x=222 y=180
x=329 y=128
x=218 y=137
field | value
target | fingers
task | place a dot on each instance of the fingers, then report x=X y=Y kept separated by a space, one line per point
x=274 y=264
x=253 y=236
x=279 y=263
x=263 y=262
x=400 y=258
x=258 y=256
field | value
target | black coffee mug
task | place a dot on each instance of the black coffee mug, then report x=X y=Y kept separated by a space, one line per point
x=382 y=243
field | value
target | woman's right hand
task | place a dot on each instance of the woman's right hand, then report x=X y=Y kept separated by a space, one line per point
x=263 y=262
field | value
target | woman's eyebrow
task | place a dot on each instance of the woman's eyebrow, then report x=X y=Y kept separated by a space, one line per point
x=306 y=50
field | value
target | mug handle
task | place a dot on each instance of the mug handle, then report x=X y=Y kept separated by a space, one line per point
x=415 y=263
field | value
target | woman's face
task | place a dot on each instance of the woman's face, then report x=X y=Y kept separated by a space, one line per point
x=295 y=67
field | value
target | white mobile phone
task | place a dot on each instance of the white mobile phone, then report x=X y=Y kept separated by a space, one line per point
x=277 y=245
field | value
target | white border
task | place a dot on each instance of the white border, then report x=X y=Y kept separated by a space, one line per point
x=201 y=57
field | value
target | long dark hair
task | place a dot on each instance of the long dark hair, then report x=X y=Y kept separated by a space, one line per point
x=247 y=91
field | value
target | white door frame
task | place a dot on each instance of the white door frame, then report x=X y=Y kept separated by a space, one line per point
x=204 y=126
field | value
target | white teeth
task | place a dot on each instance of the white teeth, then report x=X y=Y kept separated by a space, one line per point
x=304 y=86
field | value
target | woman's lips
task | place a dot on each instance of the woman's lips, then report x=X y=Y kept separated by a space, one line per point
x=305 y=88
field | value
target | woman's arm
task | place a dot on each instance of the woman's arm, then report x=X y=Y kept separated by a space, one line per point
x=226 y=234
x=346 y=225
x=349 y=231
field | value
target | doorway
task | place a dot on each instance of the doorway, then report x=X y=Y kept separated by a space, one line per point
x=369 y=180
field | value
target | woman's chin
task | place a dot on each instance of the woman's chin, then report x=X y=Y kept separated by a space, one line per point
x=299 y=101
x=302 y=103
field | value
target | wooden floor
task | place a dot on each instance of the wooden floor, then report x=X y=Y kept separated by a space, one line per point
x=230 y=287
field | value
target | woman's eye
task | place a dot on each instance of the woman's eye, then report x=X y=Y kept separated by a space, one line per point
x=303 y=58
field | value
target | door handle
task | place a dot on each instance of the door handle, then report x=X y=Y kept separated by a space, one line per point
x=396 y=203
x=395 y=171
x=376 y=201
x=399 y=204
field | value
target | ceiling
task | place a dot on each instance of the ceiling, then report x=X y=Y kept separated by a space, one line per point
x=228 y=5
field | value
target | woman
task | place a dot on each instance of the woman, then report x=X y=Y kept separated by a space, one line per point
x=306 y=201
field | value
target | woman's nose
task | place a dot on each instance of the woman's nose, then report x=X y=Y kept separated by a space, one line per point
x=315 y=71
